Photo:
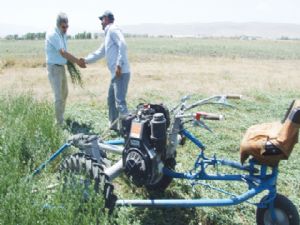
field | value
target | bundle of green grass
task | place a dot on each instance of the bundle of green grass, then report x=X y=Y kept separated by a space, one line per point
x=74 y=74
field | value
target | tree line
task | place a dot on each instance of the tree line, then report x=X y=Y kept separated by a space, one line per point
x=82 y=35
x=27 y=36
x=42 y=36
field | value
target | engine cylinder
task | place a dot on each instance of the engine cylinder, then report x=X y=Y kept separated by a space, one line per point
x=159 y=130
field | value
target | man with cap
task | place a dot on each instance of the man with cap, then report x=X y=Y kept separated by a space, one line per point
x=114 y=49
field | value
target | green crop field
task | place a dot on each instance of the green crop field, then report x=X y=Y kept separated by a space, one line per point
x=266 y=49
x=141 y=47
x=265 y=72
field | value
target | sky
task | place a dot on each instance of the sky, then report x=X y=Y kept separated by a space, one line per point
x=83 y=14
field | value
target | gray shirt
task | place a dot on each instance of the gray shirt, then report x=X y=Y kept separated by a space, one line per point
x=114 y=49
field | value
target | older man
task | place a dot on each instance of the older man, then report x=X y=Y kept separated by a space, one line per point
x=114 y=49
x=56 y=59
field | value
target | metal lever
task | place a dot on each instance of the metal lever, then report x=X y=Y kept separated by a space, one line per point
x=202 y=124
x=223 y=101
x=185 y=98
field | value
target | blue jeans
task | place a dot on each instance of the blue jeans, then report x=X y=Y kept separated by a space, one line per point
x=117 y=97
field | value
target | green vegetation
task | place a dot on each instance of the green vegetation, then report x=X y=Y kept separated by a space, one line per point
x=31 y=53
x=258 y=49
x=74 y=73
x=28 y=136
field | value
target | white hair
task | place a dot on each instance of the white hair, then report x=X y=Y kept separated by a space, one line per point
x=61 y=18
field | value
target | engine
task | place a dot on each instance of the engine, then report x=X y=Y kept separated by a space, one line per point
x=145 y=134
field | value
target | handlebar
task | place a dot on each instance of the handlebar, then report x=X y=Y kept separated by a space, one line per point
x=202 y=115
x=217 y=99
x=211 y=116
x=233 y=96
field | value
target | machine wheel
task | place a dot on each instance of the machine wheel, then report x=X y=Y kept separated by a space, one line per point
x=81 y=169
x=286 y=213
x=165 y=181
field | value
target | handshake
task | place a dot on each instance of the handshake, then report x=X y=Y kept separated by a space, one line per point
x=81 y=63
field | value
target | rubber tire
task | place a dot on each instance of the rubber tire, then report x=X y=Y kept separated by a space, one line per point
x=164 y=182
x=161 y=185
x=281 y=203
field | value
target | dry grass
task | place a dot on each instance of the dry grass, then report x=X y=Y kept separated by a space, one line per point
x=170 y=76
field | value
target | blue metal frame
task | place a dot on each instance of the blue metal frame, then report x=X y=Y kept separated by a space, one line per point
x=64 y=147
x=258 y=180
x=52 y=157
x=115 y=142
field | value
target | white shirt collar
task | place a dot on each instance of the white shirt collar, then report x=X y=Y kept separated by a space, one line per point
x=107 y=28
x=59 y=32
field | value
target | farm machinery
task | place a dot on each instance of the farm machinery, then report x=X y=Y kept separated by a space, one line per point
x=148 y=151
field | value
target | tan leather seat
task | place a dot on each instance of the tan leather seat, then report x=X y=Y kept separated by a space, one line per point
x=269 y=143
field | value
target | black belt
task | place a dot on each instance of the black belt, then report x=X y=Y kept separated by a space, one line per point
x=58 y=65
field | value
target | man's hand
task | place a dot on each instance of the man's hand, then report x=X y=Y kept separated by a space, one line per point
x=81 y=63
x=118 y=71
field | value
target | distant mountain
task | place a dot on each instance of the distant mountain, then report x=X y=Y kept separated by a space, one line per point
x=216 y=29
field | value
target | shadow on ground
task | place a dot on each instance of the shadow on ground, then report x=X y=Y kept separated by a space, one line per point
x=75 y=127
